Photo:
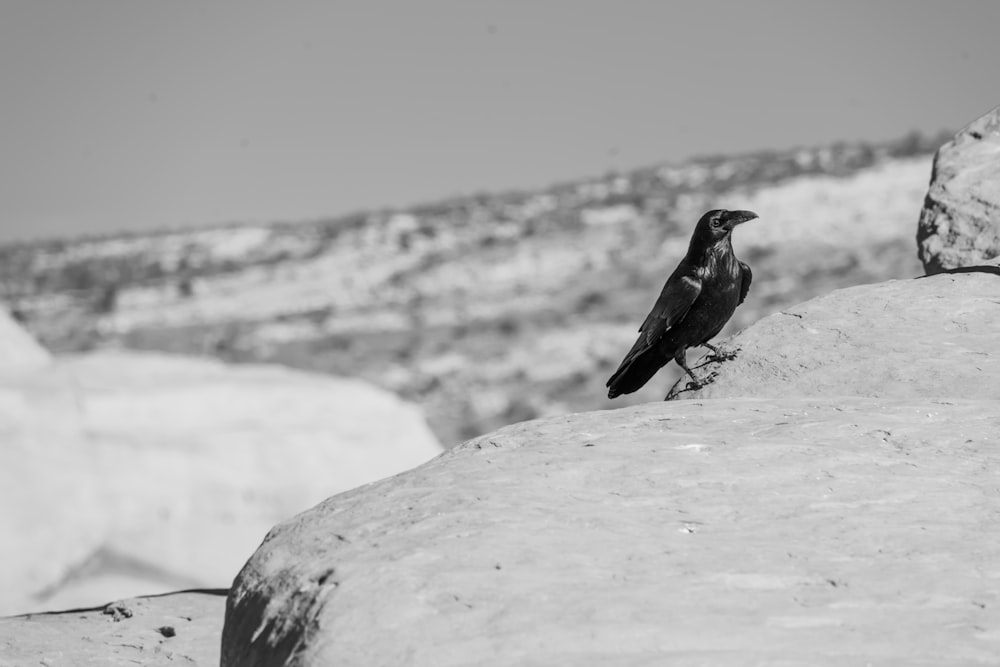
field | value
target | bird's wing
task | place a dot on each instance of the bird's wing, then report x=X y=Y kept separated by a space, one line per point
x=675 y=300
x=746 y=277
x=670 y=308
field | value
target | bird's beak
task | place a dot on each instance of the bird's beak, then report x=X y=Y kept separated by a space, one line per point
x=733 y=218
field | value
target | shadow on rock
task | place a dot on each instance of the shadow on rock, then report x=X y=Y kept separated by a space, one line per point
x=978 y=268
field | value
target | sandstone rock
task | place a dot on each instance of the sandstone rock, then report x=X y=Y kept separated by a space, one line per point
x=726 y=532
x=125 y=474
x=176 y=629
x=19 y=352
x=845 y=514
x=960 y=222
x=932 y=336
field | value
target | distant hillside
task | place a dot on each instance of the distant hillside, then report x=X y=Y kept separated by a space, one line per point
x=486 y=309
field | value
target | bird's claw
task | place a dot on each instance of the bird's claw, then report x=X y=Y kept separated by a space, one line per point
x=693 y=385
x=708 y=379
x=719 y=355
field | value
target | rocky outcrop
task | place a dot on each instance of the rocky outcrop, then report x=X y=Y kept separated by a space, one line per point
x=838 y=527
x=176 y=629
x=932 y=336
x=125 y=473
x=960 y=222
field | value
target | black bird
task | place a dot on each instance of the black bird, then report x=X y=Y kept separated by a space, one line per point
x=697 y=300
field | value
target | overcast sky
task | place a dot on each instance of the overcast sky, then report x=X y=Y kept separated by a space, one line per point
x=129 y=115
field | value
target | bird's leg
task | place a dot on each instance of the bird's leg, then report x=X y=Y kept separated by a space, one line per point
x=719 y=355
x=680 y=358
x=695 y=383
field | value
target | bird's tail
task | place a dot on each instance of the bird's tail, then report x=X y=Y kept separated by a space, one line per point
x=635 y=371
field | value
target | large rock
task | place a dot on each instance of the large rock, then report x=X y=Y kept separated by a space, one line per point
x=19 y=352
x=960 y=222
x=727 y=532
x=176 y=629
x=932 y=336
x=124 y=474
x=859 y=525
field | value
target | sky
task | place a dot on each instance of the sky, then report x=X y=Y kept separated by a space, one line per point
x=129 y=115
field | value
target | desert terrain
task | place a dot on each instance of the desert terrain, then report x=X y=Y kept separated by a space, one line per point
x=488 y=309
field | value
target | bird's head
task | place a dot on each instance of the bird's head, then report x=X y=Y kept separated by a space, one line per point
x=718 y=224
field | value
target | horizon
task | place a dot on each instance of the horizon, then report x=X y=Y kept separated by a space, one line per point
x=132 y=119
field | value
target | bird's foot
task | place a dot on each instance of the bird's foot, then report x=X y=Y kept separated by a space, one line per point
x=708 y=379
x=693 y=385
x=719 y=355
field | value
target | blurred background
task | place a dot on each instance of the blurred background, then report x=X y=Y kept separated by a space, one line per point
x=435 y=219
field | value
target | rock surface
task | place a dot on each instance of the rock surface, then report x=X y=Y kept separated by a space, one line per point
x=960 y=222
x=932 y=336
x=177 y=629
x=124 y=474
x=848 y=513
x=727 y=532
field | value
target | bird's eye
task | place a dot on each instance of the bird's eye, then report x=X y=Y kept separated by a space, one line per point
x=716 y=222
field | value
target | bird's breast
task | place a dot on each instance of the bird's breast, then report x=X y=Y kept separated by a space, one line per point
x=721 y=269
x=721 y=279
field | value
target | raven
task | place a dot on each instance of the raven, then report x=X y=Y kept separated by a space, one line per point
x=697 y=300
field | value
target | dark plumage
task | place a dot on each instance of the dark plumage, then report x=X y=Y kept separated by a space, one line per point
x=696 y=302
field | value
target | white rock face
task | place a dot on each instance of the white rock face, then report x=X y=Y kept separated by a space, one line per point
x=125 y=473
x=18 y=350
